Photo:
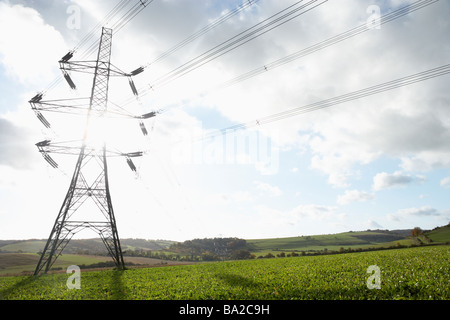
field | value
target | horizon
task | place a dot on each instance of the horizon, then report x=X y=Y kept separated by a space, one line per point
x=304 y=235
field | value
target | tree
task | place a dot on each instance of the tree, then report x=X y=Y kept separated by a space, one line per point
x=240 y=254
x=416 y=232
x=208 y=256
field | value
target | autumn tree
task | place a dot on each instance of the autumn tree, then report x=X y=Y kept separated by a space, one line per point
x=416 y=232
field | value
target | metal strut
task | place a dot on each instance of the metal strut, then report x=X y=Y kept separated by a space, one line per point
x=89 y=187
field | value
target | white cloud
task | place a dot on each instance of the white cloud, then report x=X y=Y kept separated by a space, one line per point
x=268 y=189
x=313 y=211
x=354 y=196
x=15 y=145
x=29 y=48
x=371 y=224
x=426 y=161
x=302 y=219
x=228 y=198
x=406 y=124
x=445 y=182
x=422 y=211
x=420 y=214
x=385 y=180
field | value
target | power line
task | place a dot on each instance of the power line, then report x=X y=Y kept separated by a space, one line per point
x=236 y=41
x=390 y=85
x=328 y=42
x=384 y=19
x=221 y=19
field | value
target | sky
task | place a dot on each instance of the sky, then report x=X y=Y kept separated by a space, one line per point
x=378 y=162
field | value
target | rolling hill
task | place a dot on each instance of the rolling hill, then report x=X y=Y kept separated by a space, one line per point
x=21 y=255
x=362 y=239
x=439 y=234
x=82 y=246
x=354 y=240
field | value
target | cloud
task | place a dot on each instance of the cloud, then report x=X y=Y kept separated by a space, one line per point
x=268 y=189
x=421 y=212
x=445 y=182
x=313 y=211
x=15 y=146
x=406 y=124
x=426 y=161
x=424 y=212
x=29 y=48
x=229 y=198
x=410 y=124
x=371 y=224
x=354 y=196
x=384 y=180
x=300 y=219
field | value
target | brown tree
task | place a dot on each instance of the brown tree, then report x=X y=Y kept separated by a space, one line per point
x=416 y=232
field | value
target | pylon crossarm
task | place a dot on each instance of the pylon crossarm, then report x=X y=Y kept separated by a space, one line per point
x=89 y=67
x=73 y=147
x=80 y=107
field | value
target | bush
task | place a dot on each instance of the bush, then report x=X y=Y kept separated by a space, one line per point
x=240 y=254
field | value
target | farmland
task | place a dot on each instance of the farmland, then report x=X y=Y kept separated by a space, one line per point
x=21 y=256
x=411 y=273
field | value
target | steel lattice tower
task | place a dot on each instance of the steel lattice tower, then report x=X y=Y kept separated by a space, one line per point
x=89 y=182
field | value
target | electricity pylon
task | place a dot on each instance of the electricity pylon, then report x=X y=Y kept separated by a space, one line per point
x=89 y=188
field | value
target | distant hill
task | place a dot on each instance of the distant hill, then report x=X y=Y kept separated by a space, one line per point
x=351 y=239
x=360 y=239
x=83 y=246
x=18 y=256
x=439 y=234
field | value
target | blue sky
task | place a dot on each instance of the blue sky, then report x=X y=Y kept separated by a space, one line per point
x=378 y=162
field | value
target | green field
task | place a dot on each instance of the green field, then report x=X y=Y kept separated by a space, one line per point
x=412 y=273
x=320 y=242
x=16 y=263
x=353 y=240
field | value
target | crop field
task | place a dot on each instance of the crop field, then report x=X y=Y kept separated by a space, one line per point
x=413 y=273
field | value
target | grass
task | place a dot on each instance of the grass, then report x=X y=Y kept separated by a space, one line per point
x=319 y=242
x=30 y=246
x=25 y=263
x=16 y=263
x=441 y=234
x=412 y=273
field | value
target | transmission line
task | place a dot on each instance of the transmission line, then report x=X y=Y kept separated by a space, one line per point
x=329 y=42
x=384 y=19
x=236 y=41
x=383 y=87
x=221 y=19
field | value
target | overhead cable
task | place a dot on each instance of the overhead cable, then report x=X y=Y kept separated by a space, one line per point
x=383 y=87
